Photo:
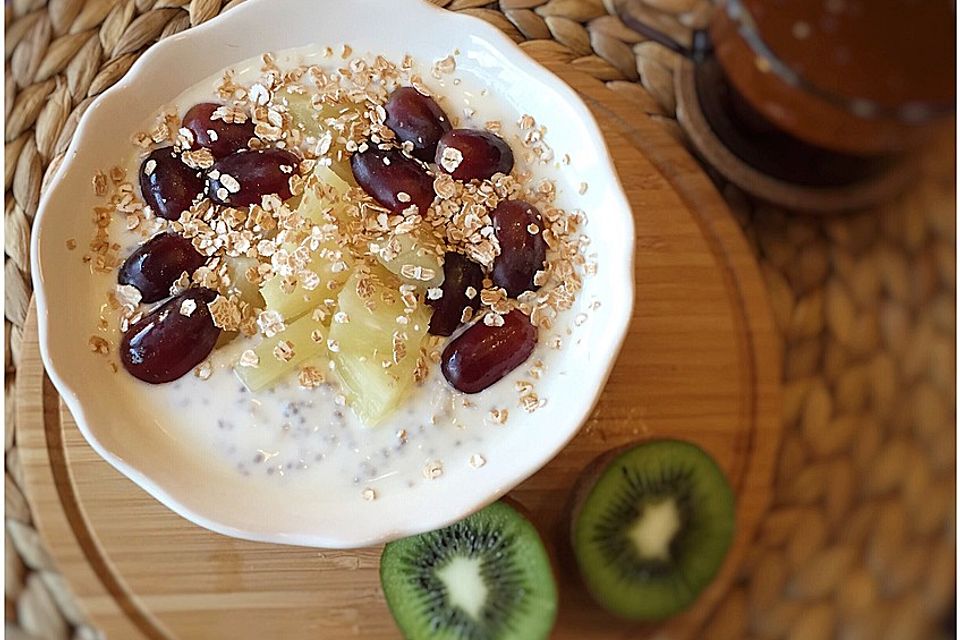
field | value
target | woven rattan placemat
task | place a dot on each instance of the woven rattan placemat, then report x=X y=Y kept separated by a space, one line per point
x=860 y=539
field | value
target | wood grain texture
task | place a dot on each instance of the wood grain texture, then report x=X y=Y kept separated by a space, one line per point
x=700 y=363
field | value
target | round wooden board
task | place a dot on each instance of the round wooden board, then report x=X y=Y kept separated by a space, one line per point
x=701 y=363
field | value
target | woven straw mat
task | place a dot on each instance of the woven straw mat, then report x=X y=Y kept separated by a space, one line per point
x=859 y=541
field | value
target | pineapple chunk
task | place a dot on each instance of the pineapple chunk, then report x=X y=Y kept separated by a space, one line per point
x=300 y=108
x=342 y=168
x=249 y=292
x=412 y=260
x=376 y=355
x=312 y=122
x=325 y=174
x=302 y=340
x=330 y=264
x=317 y=202
x=371 y=394
x=328 y=261
x=308 y=119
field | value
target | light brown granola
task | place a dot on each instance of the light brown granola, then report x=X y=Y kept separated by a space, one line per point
x=310 y=378
x=99 y=345
x=284 y=351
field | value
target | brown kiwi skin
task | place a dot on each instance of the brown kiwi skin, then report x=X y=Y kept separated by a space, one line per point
x=563 y=534
x=547 y=541
x=509 y=500
x=585 y=483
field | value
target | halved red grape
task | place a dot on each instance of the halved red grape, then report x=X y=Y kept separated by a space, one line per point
x=387 y=174
x=157 y=263
x=243 y=178
x=519 y=229
x=459 y=274
x=220 y=136
x=172 y=340
x=168 y=186
x=471 y=154
x=482 y=355
x=416 y=118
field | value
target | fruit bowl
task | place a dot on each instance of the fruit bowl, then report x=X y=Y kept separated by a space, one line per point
x=112 y=410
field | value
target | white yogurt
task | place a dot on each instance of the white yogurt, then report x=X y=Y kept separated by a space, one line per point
x=291 y=435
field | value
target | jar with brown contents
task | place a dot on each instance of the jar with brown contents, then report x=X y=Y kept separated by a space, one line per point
x=862 y=77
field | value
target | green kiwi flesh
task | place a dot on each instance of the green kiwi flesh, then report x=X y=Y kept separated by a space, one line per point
x=487 y=577
x=653 y=531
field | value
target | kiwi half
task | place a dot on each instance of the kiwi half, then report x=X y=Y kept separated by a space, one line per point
x=651 y=533
x=487 y=577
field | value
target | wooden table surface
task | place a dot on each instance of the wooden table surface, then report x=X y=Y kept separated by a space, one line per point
x=700 y=363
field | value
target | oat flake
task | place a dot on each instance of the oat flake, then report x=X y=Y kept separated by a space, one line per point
x=128 y=295
x=204 y=370
x=451 y=159
x=284 y=351
x=499 y=416
x=433 y=470
x=232 y=184
x=99 y=345
x=310 y=378
x=249 y=358
x=446 y=65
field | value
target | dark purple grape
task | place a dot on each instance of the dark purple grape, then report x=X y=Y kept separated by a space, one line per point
x=386 y=174
x=243 y=178
x=459 y=273
x=519 y=230
x=220 y=136
x=168 y=186
x=416 y=118
x=157 y=263
x=482 y=354
x=168 y=343
x=471 y=154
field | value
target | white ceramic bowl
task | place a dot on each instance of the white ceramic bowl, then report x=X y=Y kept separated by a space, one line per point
x=106 y=406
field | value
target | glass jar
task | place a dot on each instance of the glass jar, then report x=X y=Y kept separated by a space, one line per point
x=861 y=77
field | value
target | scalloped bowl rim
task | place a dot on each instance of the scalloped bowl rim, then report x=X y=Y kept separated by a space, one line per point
x=620 y=270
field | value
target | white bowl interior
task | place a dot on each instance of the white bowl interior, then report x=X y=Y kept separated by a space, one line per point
x=106 y=405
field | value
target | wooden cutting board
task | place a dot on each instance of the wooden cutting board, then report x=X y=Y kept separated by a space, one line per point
x=701 y=363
